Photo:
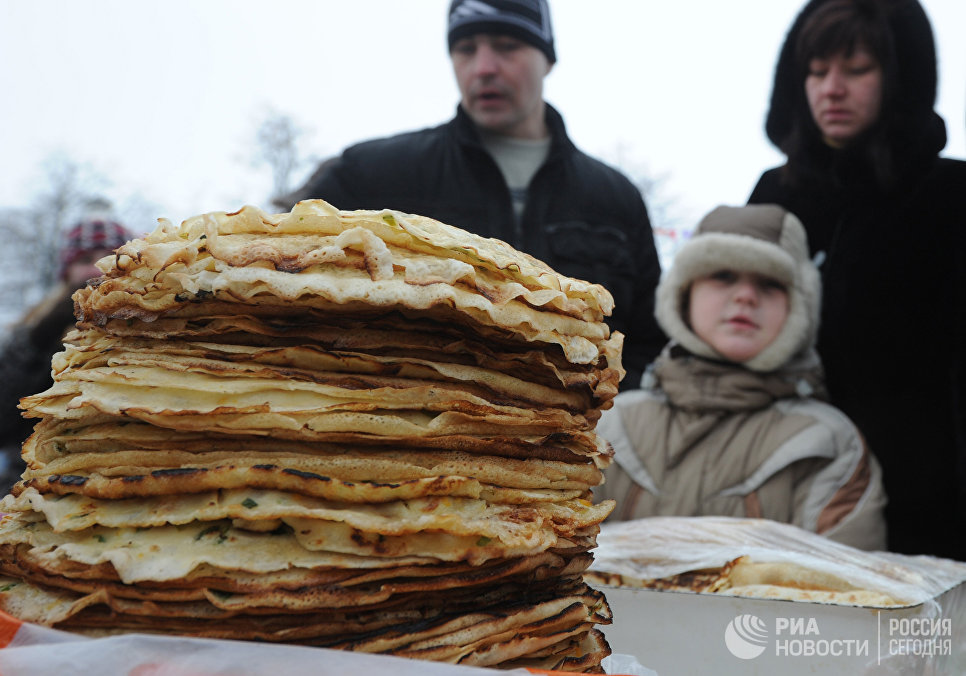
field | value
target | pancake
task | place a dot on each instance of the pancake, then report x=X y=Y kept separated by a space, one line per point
x=320 y=257
x=511 y=524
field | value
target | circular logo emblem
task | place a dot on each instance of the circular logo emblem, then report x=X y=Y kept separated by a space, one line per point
x=746 y=637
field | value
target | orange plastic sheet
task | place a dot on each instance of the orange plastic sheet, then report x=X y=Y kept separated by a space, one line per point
x=9 y=626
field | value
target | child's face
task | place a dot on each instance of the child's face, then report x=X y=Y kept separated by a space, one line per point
x=738 y=314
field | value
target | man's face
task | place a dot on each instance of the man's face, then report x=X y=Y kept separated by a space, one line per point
x=501 y=84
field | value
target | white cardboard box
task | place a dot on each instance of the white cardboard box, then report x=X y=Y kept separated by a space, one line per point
x=679 y=633
x=684 y=634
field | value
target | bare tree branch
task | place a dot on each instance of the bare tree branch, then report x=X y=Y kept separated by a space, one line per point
x=33 y=235
x=277 y=145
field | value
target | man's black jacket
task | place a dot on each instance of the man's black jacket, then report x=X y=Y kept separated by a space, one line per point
x=583 y=218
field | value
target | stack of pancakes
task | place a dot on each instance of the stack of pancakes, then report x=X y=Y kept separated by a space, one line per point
x=360 y=430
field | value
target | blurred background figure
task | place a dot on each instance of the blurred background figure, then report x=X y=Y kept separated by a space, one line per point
x=29 y=345
x=852 y=109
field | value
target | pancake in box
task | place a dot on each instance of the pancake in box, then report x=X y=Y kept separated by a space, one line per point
x=367 y=431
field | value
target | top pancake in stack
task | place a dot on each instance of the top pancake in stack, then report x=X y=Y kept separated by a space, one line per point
x=323 y=427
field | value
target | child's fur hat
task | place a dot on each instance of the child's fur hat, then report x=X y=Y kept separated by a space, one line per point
x=764 y=239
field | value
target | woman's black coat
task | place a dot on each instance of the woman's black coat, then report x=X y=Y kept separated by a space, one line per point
x=893 y=323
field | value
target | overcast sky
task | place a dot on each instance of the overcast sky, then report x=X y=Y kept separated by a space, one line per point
x=163 y=96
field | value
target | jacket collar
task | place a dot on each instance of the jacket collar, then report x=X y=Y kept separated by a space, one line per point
x=468 y=135
x=697 y=384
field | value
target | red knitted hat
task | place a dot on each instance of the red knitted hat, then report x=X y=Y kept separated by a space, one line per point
x=91 y=235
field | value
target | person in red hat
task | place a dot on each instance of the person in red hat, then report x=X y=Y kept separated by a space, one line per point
x=27 y=350
x=88 y=242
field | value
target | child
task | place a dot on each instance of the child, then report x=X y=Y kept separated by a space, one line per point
x=726 y=422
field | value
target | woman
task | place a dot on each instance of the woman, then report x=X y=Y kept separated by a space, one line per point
x=852 y=109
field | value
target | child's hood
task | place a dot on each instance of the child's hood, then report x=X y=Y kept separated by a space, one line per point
x=764 y=239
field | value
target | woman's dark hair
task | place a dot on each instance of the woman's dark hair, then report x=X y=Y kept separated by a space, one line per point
x=842 y=27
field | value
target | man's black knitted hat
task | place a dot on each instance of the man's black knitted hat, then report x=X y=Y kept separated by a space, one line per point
x=526 y=20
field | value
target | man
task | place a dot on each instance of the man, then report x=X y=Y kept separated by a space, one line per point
x=504 y=167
